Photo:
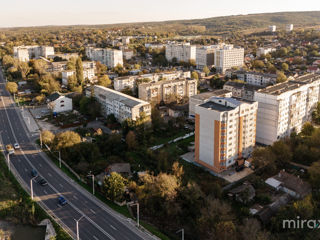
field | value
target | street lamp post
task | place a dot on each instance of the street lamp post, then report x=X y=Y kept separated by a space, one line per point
x=92 y=175
x=137 y=204
x=59 y=157
x=182 y=233
x=40 y=138
x=31 y=187
x=8 y=158
x=77 y=225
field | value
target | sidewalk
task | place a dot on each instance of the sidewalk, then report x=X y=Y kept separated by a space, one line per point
x=29 y=121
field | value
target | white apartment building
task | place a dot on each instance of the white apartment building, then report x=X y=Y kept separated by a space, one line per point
x=204 y=97
x=107 y=56
x=226 y=57
x=122 y=106
x=289 y=27
x=253 y=78
x=88 y=73
x=168 y=90
x=183 y=52
x=285 y=107
x=25 y=53
x=264 y=51
x=225 y=130
x=272 y=28
x=121 y=83
x=205 y=56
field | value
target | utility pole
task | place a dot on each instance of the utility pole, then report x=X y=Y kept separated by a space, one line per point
x=137 y=204
x=8 y=158
x=40 y=138
x=92 y=175
x=31 y=187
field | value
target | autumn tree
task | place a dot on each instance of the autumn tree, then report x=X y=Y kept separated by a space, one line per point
x=281 y=77
x=12 y=87
x=114 y=186
x=104 y=81
x=79 y=71
x=47 y=137
x=66 y=139
x=131 y=140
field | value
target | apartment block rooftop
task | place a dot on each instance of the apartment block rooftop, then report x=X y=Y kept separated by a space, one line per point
x=223 y=104
x=166 y=82
x=206 y=95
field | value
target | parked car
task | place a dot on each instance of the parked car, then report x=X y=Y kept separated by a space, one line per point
x=43 y=182
x=16 y=146
x=34 y=173
x=10 y=149
x=62 y=201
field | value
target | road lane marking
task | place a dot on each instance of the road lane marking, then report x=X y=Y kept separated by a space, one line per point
x=95 y=237
x=60 y=185
x=92 y=211
x=45 y=192
x=113 y=227
x=75 y=197
x=49 y=174
x=19 y=160
x=40 y=164
x=26 y=170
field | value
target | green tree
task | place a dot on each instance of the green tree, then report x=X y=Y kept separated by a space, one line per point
x=307 y=129
x=12 y=87
x=24 y=69
x=282 y=152
x=114 y=186
x=72 y=82
x=285 y=67
x=258 y=64
x=195 y=75
x=79 y=72
x=8 y=61
x=71 y=64
x=131 y=140
x=104 y=81
x=206 y=70
x=314 y=174
x=281 y=77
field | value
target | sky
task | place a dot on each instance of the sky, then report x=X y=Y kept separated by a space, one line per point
x=15 y=13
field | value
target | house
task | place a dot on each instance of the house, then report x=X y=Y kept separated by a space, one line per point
x=290 y=184
x=243 y=193
x=121 y=168
x=58 y=103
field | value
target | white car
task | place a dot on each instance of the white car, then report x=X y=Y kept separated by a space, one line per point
x=16 y=146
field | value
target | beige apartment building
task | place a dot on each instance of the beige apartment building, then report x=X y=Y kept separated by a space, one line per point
x=122 y=106
x=285 y=107
x=107 y=56
x=25 y=53
x=183 y=52
x=227 y=56
x=167 y=90
x=225 y=130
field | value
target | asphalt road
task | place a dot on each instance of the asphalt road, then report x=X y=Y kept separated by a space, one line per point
x=98 y=222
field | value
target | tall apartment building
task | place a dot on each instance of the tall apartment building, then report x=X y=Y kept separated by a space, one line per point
x=25 y=53
x=107 y=56
x=289 y=27
x=226 y=57
x=122 y=106
x=88 y=74
x=272 y=28
x=183 y=52
x=241 y=90
x=264 y=51
x=225 y=130
x=167 y=90
x=121 y=83
x=285 y=107
x=254 y=78
x=205 y=56
x=204 y=97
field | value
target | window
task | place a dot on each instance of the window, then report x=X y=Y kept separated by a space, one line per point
x=62 y=105
x=62 y=101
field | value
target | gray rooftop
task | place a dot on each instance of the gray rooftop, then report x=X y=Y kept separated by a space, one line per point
x=206 y=95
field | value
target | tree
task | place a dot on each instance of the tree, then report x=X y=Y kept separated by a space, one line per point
x=131 y=140
x=281 y=77
x=258 y=64
x=101 y=68
x=24 y=69
x=40 y=98
x=39 y=66
x=104 y=81
x=114 y=186
x=47 y=137
x=137 y=66
x=285 y=67
x=66 y=139
x=79 y=71
x=251 y=230
x=282 y=152
x=12 y=87
x=8 y=61
x=48 y=84
x=71 y=64
x=72 y=82
x=307 y=129
x=263 y=156
x=314 y=174
x=195 y=75
x=206 y=70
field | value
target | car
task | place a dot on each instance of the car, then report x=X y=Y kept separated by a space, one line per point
x=62 y=201
x=43 y=182
x=16 y=146
x=10 y=149
x=34 y=173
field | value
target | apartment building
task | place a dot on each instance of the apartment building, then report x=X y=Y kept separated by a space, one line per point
x=226 y=57
x=183 y=52
x=205 y=56
x=289 y=28
x=122 y=106
x=285 y=107
x=121 y=83
x=204 y=97
x=225 y=130
x=25 y=53
x=107 y=56
x=273 y=28
x=241 y=90
x=253 y=78
x=88 y=74
x=167 y=90
x=264 y=51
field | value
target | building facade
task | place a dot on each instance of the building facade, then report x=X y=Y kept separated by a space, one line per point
x=168 y=90
x=289 y=27
x=25 y=53
x=285 y=107
x=227 y=57
x=205 y=56
x=264 y=51
x=182 y=52
x=225 y=130
x=241 y=90
x=122 y=106
x=107 y=56
x=253 y=78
